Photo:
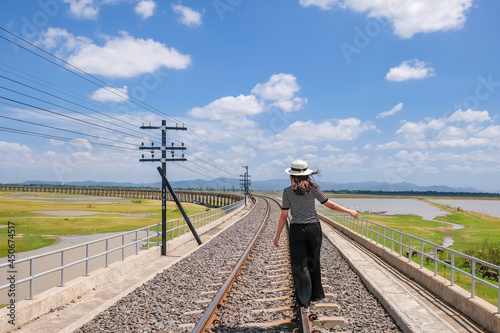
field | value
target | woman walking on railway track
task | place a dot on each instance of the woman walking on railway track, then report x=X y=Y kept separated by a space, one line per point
x=305 y=235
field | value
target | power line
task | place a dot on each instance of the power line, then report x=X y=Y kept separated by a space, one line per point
x=60 y=138
x=102 y=83
x=66 y=100
x=196 y=137
x=69 y=131
x=216 y=167
x=69 y=117
x=62 y=90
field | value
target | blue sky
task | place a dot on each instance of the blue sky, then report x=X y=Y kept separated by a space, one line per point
x=363 y=90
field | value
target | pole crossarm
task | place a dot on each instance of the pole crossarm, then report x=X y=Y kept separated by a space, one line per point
x=161 y=148
x=165 y=128
x=162 y=160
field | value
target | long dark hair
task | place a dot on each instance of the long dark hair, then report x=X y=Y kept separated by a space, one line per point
x=301 y=185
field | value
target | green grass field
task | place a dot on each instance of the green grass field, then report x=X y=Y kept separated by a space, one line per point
x=36 y=230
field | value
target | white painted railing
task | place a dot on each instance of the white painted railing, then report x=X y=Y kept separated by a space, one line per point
x=409 y=246
x=134 y=240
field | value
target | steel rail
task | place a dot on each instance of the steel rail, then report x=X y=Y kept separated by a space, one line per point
x=306 y=322
x=206 y=320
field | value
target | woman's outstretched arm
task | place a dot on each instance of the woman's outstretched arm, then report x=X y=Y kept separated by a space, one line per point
x=332 y=205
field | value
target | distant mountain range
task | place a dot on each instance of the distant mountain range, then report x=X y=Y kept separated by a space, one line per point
x=275 y=185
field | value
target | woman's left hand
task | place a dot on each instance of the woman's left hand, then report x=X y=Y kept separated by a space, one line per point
x=276 y=241
x=354 y=213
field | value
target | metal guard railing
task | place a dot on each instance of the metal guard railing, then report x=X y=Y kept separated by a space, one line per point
x=379 y=233
x=178 y=228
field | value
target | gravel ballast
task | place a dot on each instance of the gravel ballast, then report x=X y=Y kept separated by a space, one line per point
x=179 y=295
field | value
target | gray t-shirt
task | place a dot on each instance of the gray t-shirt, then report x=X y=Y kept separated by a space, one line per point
x=303 y=207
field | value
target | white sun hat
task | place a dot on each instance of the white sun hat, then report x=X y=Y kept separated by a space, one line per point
x=299 y=168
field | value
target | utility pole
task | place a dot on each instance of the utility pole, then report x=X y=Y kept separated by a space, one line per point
x=163 y=173
x=245 y=183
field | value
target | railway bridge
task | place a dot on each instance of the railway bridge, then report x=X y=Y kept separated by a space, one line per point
x=417 y=299
x=209 y=198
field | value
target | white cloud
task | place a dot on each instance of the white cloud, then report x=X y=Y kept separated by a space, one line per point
x=414 y=132
x=392 y=111
x=343 y=129
x=490 y=132
x=240 y=149
x=239 y=154
x=13 y=147
x=86 y=9
x=188 y=16
x=50 y=154
x=416 y=157
x=407 y=17
x=323 y=4
x=81 y=144
x=280 y=89
x=446 y=133
x=461 y=143
x=329 y=147
x=350 y=159
x=409 y=69
x=230 y=109
x=390 y=145
x=54 y=142
x=405 y=162
x=336 y=162
x=452 y=133
x=474 y=157
x=289 y=105
x=275 y=147
x=120 y=57
x=470 y=116
x=110 y=94
x=63 y=42
x=145 y=8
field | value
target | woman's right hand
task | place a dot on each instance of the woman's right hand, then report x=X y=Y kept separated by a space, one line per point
x=354 y=213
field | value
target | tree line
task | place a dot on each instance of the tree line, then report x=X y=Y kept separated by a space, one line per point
x=417 y=193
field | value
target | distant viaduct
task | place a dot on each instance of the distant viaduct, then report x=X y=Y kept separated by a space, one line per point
x=211 y=199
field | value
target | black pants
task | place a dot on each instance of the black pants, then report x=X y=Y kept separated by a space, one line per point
x=305 y=246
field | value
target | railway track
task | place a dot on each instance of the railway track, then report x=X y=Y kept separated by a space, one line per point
x=262 y=296
x=187 y=297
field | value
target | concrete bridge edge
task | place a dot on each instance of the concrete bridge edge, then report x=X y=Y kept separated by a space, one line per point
x=52 y=299
x=475 y=308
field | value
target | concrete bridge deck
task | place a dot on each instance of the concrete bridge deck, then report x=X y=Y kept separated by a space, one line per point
x=414 y=308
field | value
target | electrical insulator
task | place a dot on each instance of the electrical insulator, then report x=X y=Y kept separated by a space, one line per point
x=142 y=155
x=182 y=155
x=142 y=144
x=182 y=144
x=172 y=144
x=152 y=143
